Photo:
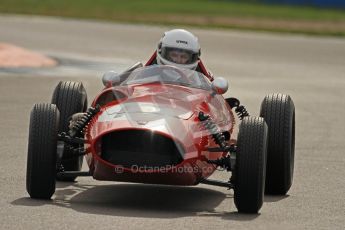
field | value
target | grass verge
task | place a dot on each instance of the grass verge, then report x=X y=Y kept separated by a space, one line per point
x=200 y=13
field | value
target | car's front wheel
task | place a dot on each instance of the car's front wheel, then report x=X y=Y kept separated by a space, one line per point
x=70 y=97
x=250 y=167
x=42 y=145
x=278 y=110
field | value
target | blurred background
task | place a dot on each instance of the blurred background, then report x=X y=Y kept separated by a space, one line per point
x=322 y=17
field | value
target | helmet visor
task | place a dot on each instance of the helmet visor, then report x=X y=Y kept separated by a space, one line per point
x=179 y=56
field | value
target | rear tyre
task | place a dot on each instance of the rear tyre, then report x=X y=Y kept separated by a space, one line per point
x=70 y=98
x=41 y=162
x=250 y=168
x=278 y=110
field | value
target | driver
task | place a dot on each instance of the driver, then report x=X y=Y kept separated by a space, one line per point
x=178 y=48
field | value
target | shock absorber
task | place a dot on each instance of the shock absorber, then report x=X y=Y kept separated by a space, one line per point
x=219 y=138
x=217 y=135
x=239 y=109
x=83 y=121
x=241 y=112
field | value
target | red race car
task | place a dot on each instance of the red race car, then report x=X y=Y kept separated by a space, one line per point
x=162 y=125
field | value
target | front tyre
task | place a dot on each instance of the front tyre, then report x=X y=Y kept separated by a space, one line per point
x=278 y=110
x=250 y=168
x=70 y=98
x=41 y=162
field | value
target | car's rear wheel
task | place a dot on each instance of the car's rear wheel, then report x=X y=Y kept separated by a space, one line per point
x=70 y=98
x=250 y=167
x=278 y=110
x=41 y=162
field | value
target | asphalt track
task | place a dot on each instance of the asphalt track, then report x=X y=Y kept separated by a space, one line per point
x=311 y=70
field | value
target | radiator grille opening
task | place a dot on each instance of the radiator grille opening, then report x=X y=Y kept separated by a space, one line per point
x=140 y=148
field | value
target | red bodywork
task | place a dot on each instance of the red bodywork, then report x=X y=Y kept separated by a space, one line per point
x=167 y=110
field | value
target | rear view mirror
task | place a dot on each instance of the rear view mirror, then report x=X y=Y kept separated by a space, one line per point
x=110 y=78
x=220 y=85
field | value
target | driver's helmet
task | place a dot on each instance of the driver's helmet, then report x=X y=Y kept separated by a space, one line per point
x=179 y=48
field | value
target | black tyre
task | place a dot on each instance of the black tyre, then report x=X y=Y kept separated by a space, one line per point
x=41 y=162
x=250 y=168
x=70 y=98
x=278 y=110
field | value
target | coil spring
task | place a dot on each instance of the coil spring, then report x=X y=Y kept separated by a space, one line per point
x=241 y=112
x=82 y=122
x=204 y=140
x=217 y=135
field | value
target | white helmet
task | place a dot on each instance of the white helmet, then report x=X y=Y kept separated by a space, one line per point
x=179 y=48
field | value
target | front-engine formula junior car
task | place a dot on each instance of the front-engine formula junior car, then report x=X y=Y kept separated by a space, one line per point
x=162 y=125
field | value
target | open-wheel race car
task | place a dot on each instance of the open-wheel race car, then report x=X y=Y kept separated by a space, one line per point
x=162 y=125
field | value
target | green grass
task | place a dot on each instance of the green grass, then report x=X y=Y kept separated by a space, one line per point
x=204 y=13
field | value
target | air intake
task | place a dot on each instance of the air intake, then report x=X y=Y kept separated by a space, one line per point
x=140 y=148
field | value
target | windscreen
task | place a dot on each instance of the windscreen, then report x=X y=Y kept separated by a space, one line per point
x=165 y=74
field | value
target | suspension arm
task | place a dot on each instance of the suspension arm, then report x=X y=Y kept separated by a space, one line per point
x=70 y=140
